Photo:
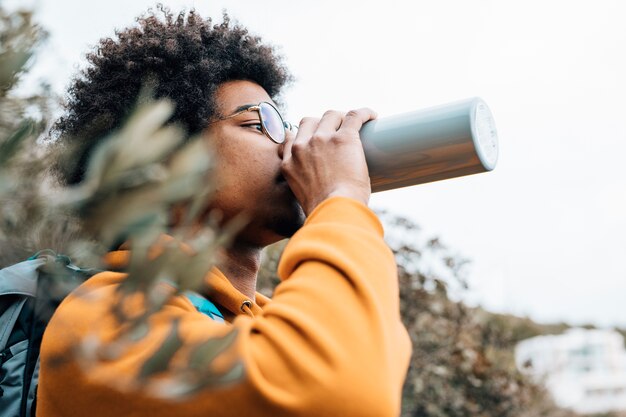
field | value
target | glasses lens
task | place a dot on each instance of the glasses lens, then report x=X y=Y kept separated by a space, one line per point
x=272 y=122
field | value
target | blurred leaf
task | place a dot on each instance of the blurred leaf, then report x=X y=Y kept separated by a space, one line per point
x=12 y=63
x=143 y=139
x=12 y=144
x=134 y=177
x=160 y=360
x=235 y=373
x=206 y=352
x=139 y=332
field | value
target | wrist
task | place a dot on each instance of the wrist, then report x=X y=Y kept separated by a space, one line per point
x=359 y=194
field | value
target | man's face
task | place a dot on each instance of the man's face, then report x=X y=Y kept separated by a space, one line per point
x=248 y=175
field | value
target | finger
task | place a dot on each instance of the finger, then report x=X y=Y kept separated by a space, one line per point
x=330 y=122
x=307 y=126
x=305 y=129
x=284 y=151
x=354 y=119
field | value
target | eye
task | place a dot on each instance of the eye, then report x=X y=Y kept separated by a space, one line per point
x=256 y=126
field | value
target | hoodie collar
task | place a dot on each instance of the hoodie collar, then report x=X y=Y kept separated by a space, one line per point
x=219 y=288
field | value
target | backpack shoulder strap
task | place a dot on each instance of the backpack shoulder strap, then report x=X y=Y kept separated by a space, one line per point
x=16 y=280
x=21 y=278
x=8 y=318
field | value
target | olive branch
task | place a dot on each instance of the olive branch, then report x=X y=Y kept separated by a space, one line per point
x=133 y=180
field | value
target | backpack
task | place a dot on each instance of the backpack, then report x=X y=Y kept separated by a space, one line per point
x=28 y=298
x=30 y=292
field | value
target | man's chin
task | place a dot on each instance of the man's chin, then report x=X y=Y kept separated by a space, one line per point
x=287 y=224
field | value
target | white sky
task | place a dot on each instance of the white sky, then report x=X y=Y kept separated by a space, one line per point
x=546 y=230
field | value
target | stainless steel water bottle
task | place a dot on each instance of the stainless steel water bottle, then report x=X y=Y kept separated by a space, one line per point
x=433 y=144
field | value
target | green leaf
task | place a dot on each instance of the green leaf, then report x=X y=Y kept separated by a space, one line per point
x=12 y=144
x=161 y=359
x=206 y=352
x=12 y=63
x=139 y=332
x=210 y=379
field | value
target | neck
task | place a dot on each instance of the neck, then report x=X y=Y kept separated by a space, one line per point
x=240 y=264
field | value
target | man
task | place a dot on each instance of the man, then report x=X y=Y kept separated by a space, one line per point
x=330 y=343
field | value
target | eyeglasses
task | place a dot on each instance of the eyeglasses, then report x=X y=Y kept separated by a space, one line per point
x=272 y=123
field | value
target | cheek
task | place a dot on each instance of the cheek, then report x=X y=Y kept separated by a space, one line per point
x=246 y=166
x=242 y=177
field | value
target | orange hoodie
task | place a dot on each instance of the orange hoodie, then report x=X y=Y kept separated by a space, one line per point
x=329 y=343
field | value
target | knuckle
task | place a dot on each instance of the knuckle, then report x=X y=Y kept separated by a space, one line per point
x=341 y=137
x=363 y=113
x=308 y=120
x=367 y=110
x=353 y=113
x=318 y=138
x=297 y=148
x=330 y=113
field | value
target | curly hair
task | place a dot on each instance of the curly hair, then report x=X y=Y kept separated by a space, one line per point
x=184 y=56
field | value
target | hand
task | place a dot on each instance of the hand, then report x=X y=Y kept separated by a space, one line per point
x=326 y=159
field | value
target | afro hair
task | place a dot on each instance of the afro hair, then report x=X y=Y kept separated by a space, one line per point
x=184 y=57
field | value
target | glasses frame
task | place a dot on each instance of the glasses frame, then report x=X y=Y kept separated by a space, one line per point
x=257 y=108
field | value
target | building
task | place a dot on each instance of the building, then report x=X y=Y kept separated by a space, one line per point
x=584 y=370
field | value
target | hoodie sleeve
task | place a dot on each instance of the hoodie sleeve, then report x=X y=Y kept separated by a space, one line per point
x=330 y=343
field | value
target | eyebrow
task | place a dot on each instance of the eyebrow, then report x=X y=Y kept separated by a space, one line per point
x=242 y=108
x=239 y=109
